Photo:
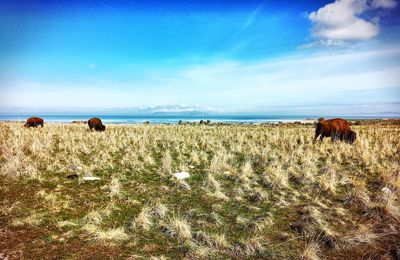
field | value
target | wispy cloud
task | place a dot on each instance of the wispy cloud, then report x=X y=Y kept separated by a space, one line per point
x=249 y=21
x=302 y=80
x=104 y=4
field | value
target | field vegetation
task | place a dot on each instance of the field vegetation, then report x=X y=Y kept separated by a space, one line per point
x=255 y=191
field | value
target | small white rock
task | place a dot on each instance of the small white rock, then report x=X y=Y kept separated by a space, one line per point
x=182 y=175
x=91 y=178
x=183 y=185
x=386 y=190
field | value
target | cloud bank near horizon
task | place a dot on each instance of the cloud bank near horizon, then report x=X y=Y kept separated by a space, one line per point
x=302 y=80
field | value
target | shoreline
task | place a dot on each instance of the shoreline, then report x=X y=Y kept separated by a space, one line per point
x=307 y=121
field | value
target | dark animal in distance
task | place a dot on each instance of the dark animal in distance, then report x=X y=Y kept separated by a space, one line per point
x=34 y=122
x=96 y=124
x=337 y=129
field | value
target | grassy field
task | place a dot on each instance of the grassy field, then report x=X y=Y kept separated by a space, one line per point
x=262 y=191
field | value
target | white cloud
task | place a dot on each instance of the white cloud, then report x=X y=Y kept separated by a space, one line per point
x=174 y=108
x=342 y=20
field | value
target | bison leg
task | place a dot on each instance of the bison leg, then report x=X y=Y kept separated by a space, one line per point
x=346 y=138
x=316 y=136
x=335 y=136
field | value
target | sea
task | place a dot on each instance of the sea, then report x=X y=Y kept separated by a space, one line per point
x=172 y=119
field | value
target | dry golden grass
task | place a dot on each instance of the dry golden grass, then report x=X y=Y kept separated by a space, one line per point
x=261 y=191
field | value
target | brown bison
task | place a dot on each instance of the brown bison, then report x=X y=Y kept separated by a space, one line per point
x=336 y=128
x=96 y=124
x=34 y=122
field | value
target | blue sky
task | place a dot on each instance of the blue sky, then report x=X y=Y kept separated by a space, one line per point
x=291 y=57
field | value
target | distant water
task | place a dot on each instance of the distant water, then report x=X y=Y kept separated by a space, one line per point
x=162 y=119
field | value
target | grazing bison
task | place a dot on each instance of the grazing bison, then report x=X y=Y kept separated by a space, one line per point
x=96 y=124
x=34 y=122
x=336 y=128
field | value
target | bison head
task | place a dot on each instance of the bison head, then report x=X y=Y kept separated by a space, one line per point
x=351 y=137
x=102 y=128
